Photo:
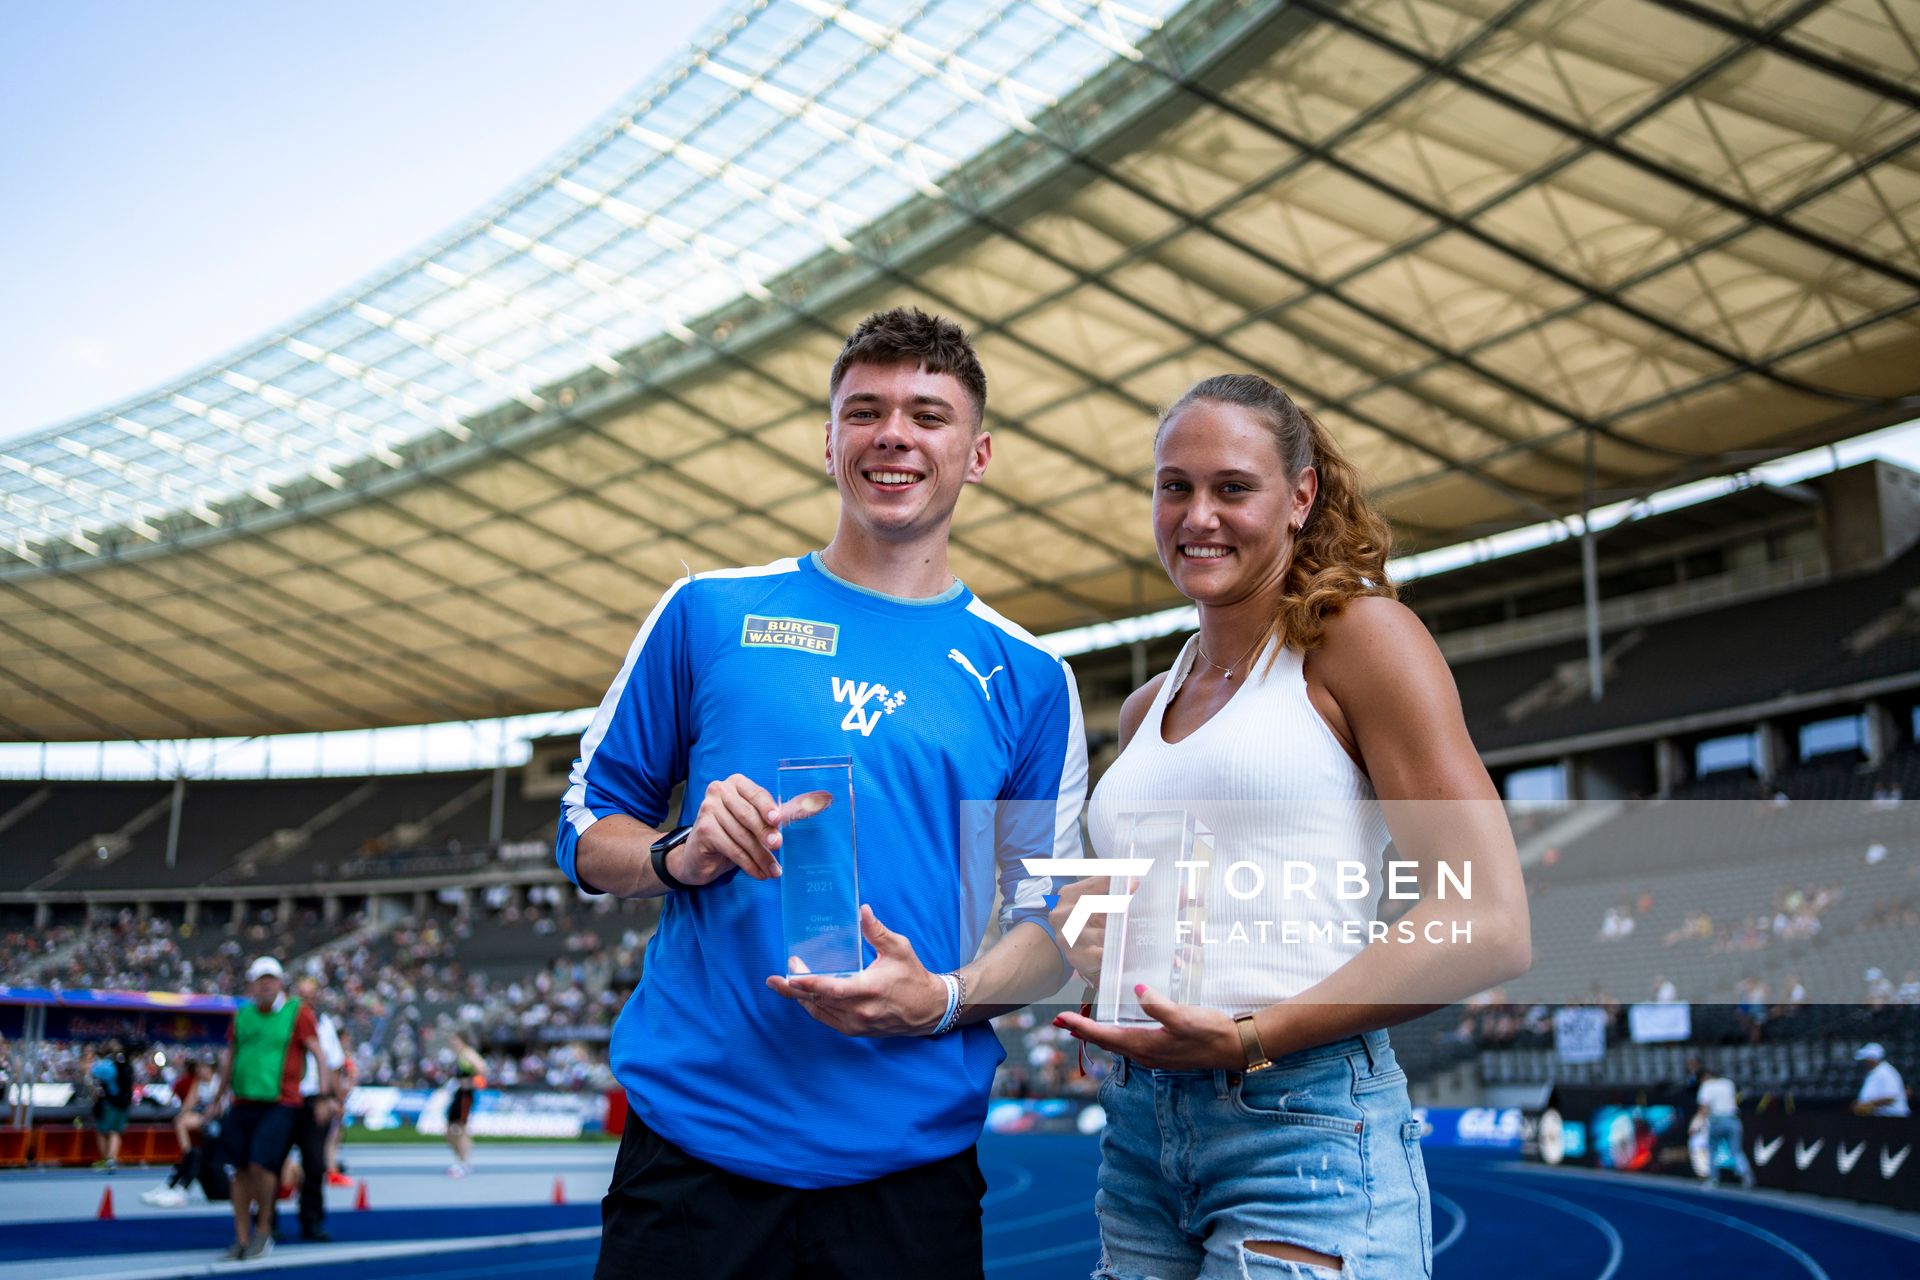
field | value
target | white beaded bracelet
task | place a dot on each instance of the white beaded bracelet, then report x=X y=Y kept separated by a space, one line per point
x=952 y=1015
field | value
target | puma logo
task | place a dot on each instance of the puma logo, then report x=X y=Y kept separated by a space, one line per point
x=968 y=667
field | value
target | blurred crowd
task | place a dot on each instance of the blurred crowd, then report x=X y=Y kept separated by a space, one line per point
x=399 y=991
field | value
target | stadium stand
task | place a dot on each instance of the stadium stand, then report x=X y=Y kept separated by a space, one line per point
x=1827 y=636
x=233 y=833
x=60 y=831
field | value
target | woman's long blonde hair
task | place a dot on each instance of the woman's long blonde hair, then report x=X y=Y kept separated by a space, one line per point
x=1340 y=552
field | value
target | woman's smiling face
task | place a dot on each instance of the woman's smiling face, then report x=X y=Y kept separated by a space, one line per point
x=1223 y=507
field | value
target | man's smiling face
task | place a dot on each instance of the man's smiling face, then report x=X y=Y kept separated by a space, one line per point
x=901 y=445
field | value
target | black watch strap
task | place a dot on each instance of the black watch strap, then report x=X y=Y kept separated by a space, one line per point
x=661 y=848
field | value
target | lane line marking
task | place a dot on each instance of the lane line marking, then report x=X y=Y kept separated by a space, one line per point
x=1616 y=1246
x=1459 y=1221
x=1676 y=1205
x=1771 y=1199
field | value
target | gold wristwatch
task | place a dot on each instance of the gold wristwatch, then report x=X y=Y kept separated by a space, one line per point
x=1257 y=1059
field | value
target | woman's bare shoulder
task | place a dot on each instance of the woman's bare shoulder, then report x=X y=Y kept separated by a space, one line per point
x=1373 y=632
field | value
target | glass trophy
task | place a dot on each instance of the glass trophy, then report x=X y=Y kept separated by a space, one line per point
x=819 y=886
x=1158 y=940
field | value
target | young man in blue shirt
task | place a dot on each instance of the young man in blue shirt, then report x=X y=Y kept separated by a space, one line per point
x=811 y=1126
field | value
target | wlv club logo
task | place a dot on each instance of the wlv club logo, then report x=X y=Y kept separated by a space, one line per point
x=857 y=694
x=1109 y=904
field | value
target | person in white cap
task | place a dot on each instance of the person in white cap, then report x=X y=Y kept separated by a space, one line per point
x=270 y=1040
x=1883 y=1092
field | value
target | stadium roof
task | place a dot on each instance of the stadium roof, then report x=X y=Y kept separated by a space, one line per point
x=1492 y=243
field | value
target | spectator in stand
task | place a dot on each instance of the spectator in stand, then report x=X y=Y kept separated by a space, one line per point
x=1879 y=988
x=1883 y=1092
x=1909 y=990
x=1719 y=1115
x=1752 y=1007
x=1664 y=992
x=1793 y=998
x=1695 y=926
x=1615 y=925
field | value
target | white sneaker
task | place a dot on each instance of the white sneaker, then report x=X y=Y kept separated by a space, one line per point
x=165 y=1197
x=457 y=1170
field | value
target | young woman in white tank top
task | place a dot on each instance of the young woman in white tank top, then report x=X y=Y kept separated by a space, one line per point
x=1310 y=720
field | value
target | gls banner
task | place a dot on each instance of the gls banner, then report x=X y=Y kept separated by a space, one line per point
x=1482 y=1128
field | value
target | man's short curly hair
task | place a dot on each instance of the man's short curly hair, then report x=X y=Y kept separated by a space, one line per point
x=904 y=334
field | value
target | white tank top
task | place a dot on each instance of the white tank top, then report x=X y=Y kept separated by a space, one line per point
x=1270 y=780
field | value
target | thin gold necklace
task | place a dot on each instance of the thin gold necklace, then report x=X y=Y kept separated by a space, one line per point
x=1201 y=645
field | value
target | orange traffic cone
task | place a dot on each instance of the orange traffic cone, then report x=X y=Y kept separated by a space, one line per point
x=360 y=1198
x=106 y=1205
x=559 y=1191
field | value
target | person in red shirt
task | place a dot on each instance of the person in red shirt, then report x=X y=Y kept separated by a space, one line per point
x=266 y=1055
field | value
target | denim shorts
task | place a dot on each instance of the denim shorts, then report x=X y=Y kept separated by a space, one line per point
x=1321 y=1151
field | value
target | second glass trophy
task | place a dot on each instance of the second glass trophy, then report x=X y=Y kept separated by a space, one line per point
x=1158 y=939
x=819 y=879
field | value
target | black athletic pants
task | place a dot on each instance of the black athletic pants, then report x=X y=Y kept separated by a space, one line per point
x=310 y=1139
x=668 y=1213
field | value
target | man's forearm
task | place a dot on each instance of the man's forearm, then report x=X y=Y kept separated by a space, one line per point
x=616 y=856
x=1022 y=967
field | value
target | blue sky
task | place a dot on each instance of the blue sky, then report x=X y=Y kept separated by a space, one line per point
x=183 y=177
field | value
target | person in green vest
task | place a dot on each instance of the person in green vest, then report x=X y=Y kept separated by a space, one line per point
x=267 y=1049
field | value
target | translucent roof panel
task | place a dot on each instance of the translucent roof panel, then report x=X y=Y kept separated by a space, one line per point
x=1518 y=258
x=656 y=216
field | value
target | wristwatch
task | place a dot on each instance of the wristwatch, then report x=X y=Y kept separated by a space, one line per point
x=1257 y=1059
x=661 y=848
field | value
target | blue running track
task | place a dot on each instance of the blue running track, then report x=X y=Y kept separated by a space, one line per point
x=1490 y=1218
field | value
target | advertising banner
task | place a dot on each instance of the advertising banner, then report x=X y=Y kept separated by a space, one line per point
x=1580 y=1033
x=1479 y=1128
x=1668 y=1023
x=496 y=1114
x=1836 y=1153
